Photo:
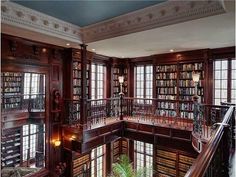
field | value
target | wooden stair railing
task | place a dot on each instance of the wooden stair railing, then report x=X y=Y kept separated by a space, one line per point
x=213 y=161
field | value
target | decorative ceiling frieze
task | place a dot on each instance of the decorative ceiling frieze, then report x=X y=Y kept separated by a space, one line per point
x=22 y=17
x=167 y=13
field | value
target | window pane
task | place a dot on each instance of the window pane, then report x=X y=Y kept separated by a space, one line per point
x=224 y=64
x=217 y=65
x=217 y=75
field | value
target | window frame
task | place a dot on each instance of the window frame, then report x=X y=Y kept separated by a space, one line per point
x=144 y=75
x=95 y=158
x=229 y=86
x=145 y=155
x=97 y=81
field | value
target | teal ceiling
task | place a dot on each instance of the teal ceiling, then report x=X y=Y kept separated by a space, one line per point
x=83 y=13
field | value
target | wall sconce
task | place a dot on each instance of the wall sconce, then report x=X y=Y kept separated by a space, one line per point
x=196 y=78
x=121 y=81
x=57 y=143
x=73 y=137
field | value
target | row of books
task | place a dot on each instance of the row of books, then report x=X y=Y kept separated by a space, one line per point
x=12 y=89
x=76 y=65
x=12 y=99
x=191 y=67
x=186 y=106
x=168 y=91
x=12 y=84
x=76 y=82
x=11 y=74
x=190 y=83
x=166 y=113
x=166 y=105
x=189 y=75
x=187 y=115
x=166 y=83
x=11 y=105
x=166 y=68
x=167 y=97
x=166 y=76
x=190 y=91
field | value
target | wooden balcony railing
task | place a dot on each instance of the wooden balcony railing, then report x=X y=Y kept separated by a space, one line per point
x=23 y=103
x=211 y=125
x=213 y=161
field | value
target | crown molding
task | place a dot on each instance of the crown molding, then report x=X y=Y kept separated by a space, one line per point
x=15 y=15
x=167 y=13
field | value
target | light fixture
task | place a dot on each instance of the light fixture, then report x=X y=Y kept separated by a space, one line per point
x=57 y=143
x=171 y=50
x=73 y=137
x=44 y=50
x=121 y=79
x=196 y=77
x=93 y=49
x=68 y=44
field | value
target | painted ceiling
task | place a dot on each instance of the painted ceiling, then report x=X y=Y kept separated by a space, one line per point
x=83 y=13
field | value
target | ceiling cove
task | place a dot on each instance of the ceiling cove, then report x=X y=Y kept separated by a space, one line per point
x=84 y=13
x=14 y=15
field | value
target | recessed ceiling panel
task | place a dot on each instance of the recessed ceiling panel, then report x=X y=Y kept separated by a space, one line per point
x=83 y=13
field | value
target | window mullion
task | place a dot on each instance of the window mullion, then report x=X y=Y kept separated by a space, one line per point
x=229 y=78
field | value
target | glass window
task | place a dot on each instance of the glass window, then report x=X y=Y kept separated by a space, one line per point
x=144 y=81
x=31 y=140
x=97 y=162
x=98 y=80
x=143 y=153
x=221 y=81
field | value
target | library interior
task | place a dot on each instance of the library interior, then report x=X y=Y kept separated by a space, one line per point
x=114 y=88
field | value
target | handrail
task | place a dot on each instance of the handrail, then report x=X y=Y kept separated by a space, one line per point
x=199 y=167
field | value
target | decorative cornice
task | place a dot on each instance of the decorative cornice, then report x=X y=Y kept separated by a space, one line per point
x=22 y=17
x=167 y=13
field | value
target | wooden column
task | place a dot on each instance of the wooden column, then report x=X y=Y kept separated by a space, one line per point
x=131 y=80
x=108 y=79
x=83 y=104
x=131 y=151
x=108 y=159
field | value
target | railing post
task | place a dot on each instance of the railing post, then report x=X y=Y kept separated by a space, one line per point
x=121 y=106
x=195 y=113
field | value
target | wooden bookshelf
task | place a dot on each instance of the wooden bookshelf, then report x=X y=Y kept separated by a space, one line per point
x=172 y=163
x=166 y=82
x=79 y=163
x=185 y=162
x=124 y=146
x=175 y=88
x=11 y=89
x=166 y=163
x=116 y=151
x=11 y=147
x=186 y=87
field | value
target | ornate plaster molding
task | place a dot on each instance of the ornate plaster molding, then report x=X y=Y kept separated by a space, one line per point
x=19 y=16
x=167 y=13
